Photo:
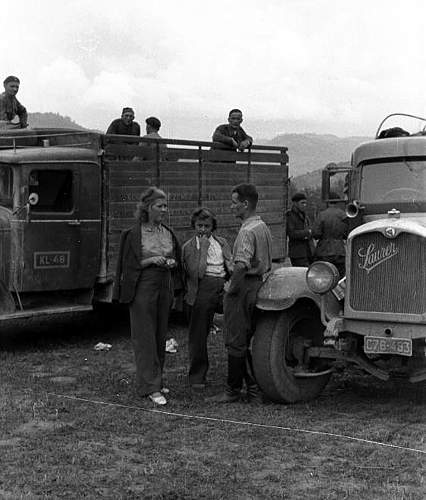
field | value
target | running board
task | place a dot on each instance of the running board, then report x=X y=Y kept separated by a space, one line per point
x=39 y=313
x=418 y=376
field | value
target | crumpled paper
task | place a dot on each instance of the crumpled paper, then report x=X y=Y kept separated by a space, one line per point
x=171 y=345
x=100 y=346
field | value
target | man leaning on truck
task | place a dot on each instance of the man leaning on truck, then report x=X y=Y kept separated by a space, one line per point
x=231 y=135
x=125 y=125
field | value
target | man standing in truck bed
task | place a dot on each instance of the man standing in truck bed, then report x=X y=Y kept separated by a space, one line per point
x=231 y=136
x=10 y=107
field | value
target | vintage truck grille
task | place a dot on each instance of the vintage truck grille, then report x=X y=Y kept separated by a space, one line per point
x=388 y=275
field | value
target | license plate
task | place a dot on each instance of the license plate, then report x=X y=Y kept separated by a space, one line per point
x=380 y=345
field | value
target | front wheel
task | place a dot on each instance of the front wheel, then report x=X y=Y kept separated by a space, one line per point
x=278 y=347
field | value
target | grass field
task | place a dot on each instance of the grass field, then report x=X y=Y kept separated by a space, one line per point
x=56 y=447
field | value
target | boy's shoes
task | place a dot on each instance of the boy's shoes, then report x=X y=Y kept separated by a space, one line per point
x=158 y=398
x=228 y=396
x=254 y=394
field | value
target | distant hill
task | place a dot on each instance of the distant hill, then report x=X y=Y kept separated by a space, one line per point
x=54 y=120
x=309 y=152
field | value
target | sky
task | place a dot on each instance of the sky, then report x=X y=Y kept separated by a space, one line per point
x=292 y=66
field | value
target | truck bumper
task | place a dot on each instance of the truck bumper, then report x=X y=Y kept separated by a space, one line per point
x=384 y=329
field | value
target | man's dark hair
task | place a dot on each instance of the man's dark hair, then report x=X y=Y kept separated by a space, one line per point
x=247 y=192
x=203 y=213
x=234 y=111
x=153 y=122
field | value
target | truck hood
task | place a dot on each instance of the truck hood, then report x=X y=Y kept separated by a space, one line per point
x=391 y=227
x=417 y=217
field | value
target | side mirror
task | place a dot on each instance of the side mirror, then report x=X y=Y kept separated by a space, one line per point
x=33 y=199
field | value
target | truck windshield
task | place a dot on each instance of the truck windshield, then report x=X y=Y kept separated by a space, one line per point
x=6 y=186
x=400 y=181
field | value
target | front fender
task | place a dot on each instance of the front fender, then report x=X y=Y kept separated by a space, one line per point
x=285 y=286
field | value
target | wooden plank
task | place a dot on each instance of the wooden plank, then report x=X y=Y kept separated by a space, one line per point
x=223 y=156
x=141 y=152
x=110 y=139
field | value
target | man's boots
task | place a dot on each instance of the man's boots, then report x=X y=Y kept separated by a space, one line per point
x=254 y=394
x=232 y=393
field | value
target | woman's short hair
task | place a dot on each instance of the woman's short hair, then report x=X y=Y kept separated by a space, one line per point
x=146 y=200
x=202 y=213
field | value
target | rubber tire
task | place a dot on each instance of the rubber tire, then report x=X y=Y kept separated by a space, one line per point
x=272 y=373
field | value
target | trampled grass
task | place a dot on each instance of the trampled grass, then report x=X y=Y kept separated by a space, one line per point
x=55 y=447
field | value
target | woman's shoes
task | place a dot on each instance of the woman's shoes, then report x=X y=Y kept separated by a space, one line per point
x=158 y=398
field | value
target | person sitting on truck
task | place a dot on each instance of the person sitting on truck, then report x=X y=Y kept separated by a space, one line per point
x=300 y=243
x=207 y=264
x=10 y=107
x=125 y=125
x=153 y=125
x=148 y=272
x=331 y=230
x=231 y=136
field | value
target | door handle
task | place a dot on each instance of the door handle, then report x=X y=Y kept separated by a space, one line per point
x=74 y=223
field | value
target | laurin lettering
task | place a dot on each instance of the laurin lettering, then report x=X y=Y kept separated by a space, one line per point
x=372 y=257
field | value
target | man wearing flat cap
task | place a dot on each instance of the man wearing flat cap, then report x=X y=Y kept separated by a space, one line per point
x=10 y=107
x=300 y=242
x=125 y=125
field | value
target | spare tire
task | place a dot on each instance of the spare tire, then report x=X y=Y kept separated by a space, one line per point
x=274 y=354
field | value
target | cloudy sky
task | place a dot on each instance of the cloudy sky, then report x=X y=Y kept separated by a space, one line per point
x=321 y=66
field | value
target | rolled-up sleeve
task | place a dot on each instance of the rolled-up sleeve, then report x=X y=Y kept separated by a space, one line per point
x=244 y=248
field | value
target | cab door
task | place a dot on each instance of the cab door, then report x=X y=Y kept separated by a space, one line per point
x=61 y=235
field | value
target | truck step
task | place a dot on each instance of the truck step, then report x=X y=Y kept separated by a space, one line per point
x=51 y=311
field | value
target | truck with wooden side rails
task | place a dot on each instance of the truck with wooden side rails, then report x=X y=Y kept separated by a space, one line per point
x=66 y=195
x=375 y=317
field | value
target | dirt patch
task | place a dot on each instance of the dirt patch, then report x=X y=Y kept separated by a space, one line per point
x=38 y=426
x=63 y=380
x=9 y=442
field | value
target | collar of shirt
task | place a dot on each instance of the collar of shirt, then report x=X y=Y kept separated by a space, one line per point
x=151 y=228
x=250 y=219
x=155 y=135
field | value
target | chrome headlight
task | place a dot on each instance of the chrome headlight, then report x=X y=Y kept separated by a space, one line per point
x=322 y=277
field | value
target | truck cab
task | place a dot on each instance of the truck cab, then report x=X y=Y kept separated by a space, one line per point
x=50 y=224
x=375 y=317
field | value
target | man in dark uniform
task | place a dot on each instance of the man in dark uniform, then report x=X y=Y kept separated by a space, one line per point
x=252 y=259
x=125 y=125
x=10 y=107
x=231 y=136
x=300 y=244
x=331 y=231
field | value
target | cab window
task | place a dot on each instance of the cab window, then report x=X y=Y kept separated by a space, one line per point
x=54 y=189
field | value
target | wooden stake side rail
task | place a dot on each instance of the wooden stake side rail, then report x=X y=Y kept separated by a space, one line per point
x=192 y=176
